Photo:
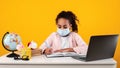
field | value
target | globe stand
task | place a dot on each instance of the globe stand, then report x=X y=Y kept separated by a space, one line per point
x=13 y=55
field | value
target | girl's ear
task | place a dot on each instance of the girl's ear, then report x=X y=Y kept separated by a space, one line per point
x=70 y=26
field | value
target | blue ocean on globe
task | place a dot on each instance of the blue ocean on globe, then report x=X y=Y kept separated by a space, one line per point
x=11 y=40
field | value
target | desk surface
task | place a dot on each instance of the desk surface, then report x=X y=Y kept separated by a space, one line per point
x=59 y=60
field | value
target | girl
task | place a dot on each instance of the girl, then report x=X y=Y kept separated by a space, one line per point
x=65 y=39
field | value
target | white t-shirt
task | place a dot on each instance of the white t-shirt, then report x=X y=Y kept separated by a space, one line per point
x=64 y=42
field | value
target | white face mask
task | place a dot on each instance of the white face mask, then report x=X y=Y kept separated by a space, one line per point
x=63 y=32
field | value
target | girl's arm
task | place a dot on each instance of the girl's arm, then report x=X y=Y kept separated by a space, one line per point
x=81 y=47
x=47 y=43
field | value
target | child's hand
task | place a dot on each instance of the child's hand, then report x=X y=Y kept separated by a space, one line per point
x=48 y=51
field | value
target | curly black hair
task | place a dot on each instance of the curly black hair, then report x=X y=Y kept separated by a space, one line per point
x=69 y=16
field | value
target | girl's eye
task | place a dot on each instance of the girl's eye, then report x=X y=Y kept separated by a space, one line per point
x=65 y=27
x=59 y=27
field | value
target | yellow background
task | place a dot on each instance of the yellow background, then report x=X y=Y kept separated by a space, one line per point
x=35 y=19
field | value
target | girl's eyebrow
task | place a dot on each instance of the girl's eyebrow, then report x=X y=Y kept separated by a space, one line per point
x=64 y=25
x=59 y=25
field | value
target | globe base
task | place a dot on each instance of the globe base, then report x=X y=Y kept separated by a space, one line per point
x=13 y=55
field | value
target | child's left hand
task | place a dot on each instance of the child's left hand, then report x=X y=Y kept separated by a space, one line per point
x=65 y=50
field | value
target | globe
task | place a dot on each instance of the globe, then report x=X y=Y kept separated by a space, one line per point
x=10 y=42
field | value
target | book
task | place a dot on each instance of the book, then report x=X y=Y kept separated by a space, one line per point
x=63 y=54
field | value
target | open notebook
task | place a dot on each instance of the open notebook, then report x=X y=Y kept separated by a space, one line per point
x=63 y=54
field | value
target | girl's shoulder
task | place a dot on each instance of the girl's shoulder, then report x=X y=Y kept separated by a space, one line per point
x=73 y=33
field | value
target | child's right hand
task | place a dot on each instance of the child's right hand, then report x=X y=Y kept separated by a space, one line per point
x=48 y=51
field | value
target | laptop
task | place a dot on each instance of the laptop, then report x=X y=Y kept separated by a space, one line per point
x=100 y=47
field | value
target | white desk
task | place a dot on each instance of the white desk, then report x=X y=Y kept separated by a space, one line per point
x=61 y=62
